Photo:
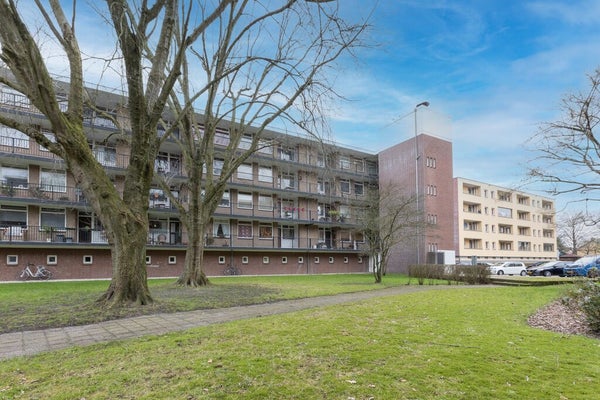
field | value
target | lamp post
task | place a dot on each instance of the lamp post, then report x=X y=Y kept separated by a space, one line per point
x=422 y=104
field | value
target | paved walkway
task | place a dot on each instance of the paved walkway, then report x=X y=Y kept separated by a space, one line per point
x=33 y=342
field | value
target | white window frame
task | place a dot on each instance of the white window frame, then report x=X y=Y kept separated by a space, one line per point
x=245 y=172
x=265 y=174
x=245 y=201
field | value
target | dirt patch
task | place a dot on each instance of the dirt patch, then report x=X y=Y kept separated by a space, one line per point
x=561 y=318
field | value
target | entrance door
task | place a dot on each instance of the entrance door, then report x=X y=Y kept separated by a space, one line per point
x=84 y=228
x=174 y=233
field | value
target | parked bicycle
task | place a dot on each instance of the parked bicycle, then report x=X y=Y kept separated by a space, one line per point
x=232 y=270
x=41 y=272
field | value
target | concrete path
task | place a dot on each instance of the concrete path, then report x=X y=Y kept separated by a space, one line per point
x=17 y=344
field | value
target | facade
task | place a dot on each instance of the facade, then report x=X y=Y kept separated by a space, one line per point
x=423 y=166
x=293 y=208
x=496 y=223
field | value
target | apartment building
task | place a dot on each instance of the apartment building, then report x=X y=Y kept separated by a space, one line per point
x=422 y=166
x=496 y=223
x=292 y=208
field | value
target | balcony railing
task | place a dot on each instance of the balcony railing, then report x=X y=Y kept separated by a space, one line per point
x=22 y=234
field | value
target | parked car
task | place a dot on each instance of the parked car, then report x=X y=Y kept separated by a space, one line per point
x=548 y=269
x=508 y=268
x=583 y=266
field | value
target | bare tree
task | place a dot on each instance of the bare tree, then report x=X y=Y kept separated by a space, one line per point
x=154 y=38
x=150 y=77
x=391 y=218
x=569 y=149
x=573 y=231
x=246 y=84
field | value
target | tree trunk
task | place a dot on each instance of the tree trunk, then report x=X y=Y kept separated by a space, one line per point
x=193 y=274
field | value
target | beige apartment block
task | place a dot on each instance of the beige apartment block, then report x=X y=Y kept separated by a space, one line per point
x=494 y=223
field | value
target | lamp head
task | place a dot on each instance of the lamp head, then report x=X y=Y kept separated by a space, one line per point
x=424 y=104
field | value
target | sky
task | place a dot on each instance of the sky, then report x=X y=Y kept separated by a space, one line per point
x=493 y=72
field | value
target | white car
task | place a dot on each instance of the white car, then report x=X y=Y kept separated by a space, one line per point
x=508 y=268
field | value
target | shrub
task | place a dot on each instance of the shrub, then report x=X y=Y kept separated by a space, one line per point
x=586 y=296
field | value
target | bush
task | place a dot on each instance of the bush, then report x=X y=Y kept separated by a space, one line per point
x=470 y=274
x=585 y=295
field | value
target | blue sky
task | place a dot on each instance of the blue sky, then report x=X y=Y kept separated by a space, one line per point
x=492 y=70
x=495 y=69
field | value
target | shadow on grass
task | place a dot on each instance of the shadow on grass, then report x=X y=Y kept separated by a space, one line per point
x=80 y=308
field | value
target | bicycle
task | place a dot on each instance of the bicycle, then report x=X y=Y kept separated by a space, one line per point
x=232 y=270
x=41 y=273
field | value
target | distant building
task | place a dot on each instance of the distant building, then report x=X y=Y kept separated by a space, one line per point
x=495 y=223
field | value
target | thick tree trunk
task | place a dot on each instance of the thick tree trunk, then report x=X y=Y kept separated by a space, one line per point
x=129 y=277
x=193 y=274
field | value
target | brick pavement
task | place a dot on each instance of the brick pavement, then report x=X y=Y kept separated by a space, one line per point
x=26 y=343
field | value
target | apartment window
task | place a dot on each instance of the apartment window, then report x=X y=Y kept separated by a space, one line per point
x=87 y=260
x=244 y=259
x=14 y=98
x=359 y=165
x=221 y=228
x=12 y=259
x=284 y=260
x=359 y=189
x=504 y=212
x=221 y=260
x=172 y=260
x=244 y=171
x=345 y=186
x=53 y=181
x=505 y=245
x=265 y=147
x=13 y=176
x=51 y=259
x=107 y=156
x=217 y=166
x=344 y=162
x=221 y=137
x=244 y=230
x=300 y=260
x=287 y=181
x=13 y=215
x=245 y=142
x=13 y=138
x=266 y=259
x=245 y=200
x=225 y=199
x=265 y=203
x=320 y=160
x=52 y=217
x=287 y=154
x=265 y=231
x=265 y=174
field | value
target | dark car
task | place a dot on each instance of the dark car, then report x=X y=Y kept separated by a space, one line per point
x=548 y=269
x=583 y=266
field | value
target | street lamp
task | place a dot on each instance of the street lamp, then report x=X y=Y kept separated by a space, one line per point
x=422 y=104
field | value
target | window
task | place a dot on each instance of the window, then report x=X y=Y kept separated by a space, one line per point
x=245 y=200
x=51 y=259
x=244 y=171
x=346 y=260
x=217 y=166
x=287 y=181
x=13 y=138
x=287 y=154
x=358 y=189
x=316 y=260
x=265 y=203
x=48 y=135
x=345 y=186
x=300 y=260
x=172 y=260
x=265 y=174
x=87 y=260
x=244 y=259
x=504 y=212
x=245 y=142
x=221 y=228
x=148 y=260
x=221 y=260
x=52 y=217
x=344 y=162
x=12 y=259
x=107 y=156
x=14 y=177
x=53 y=181
x=284 y=260
x=331 y=260
x=265 y=147
x=266 y=260
x=265 y=231
x=244 y=230
x=224 y=202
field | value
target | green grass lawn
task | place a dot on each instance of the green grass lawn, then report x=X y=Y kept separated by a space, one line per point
x=36 y=305
x=460 y=343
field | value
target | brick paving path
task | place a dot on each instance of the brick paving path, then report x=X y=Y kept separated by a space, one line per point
x=25 y=343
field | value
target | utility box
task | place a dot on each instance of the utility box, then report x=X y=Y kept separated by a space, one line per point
x=446 y=257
